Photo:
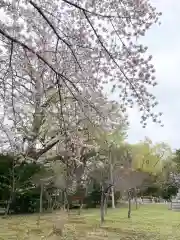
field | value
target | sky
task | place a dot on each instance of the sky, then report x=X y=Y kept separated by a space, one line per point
x=163 y=43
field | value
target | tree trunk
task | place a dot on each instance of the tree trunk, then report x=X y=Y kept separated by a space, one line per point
x=135 y=198
x=112 y=196
x=112 y=179
x=129 y=203
x=8 y=205
x=50 y=204
x=80 y=206
x=41 y=199
x=105 y=204
x=66 y=201
x=136 y=203
x=12 y=193
x=102 y=204
x=67 y=208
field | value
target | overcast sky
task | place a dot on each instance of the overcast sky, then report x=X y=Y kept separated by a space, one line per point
x=164 y=44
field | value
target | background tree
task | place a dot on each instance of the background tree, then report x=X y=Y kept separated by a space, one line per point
x=148 y=156
x=18 y=193
x=176 y=160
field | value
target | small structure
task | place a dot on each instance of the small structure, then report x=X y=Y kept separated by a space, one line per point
x=175 y=204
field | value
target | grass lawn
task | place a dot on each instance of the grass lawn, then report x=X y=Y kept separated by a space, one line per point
x=149 y=222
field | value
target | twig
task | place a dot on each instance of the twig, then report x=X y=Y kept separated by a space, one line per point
x=54 y=30
x=87 y=11
x=112 y=58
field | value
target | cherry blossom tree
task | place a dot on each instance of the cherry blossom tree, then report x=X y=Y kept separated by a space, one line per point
x=60 y=61
x=80 y=48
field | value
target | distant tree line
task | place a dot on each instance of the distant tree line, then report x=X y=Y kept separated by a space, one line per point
x=20 y=187
x=20 y=193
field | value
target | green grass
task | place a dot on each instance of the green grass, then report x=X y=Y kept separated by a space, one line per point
x=149 y=222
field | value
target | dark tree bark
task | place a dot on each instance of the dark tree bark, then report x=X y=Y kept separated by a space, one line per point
x=80 y=206
x=12 y=193
x=41 y=199
x=129 y=203
x=102 y=206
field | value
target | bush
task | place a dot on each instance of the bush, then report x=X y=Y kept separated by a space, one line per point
x=169 y=191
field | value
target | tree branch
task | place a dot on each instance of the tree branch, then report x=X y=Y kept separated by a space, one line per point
x=54 y=30
x=87 y=11
x=112 y=58
x=64 y=78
